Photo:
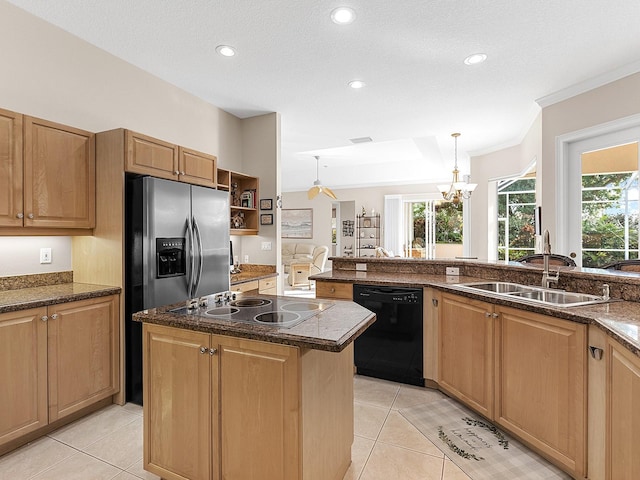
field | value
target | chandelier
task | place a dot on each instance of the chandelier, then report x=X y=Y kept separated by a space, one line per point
x=458 y=189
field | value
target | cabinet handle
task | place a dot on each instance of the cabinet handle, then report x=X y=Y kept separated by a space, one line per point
x=19 y=215
x=333 y=290
x=213 y=351
x=495 y=315
x=487 y=314
x=182 y=173
x=44 y=318
x=30 y=215
x=177 y=172
x=434 y=302
x=203 y=350
x=596 y=352
x=54 y=316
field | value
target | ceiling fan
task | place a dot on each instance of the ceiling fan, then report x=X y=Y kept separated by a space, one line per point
x=317 y=186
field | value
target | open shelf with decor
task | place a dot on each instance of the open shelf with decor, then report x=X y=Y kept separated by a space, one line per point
x=367 y=235
x=243 y=201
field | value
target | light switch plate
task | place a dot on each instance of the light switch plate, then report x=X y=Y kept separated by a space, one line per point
x=45 y=255
x=453 y=271
x=361 y=267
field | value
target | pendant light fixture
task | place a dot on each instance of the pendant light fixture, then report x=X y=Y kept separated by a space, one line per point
x=317 y=186
x=458 y=189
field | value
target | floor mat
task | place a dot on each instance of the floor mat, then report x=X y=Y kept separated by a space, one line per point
x=480 y=449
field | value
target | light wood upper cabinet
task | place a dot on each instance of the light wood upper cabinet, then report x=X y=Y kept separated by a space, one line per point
x=541 y=384
x=466 y=360
x=197 y=168
x=11 y=208
x=23 y=373
x=59 y=175
x=150 y=156
x=83 y=346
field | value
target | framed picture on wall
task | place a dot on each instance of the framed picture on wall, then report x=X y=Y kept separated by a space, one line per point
x=266 y=219
x=266 y=204
x=297 y=223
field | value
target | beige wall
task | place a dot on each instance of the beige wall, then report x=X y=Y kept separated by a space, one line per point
x=51 y=74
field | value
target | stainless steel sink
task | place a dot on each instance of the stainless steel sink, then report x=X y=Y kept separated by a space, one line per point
x=555 y=298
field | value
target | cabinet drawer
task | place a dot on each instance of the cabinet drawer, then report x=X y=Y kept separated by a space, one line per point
x=245 y=287
x=340 y=290
x=267 y=285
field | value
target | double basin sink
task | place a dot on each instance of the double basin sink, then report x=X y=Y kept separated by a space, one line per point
x=542 y=296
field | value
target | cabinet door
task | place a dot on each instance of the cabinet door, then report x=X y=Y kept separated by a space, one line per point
x=260 y=414
x=150 y=156
x=197 y=168
x=23 y=373
x=59 y=175
x=11 y=208
x=83 y=354
x=623 y=416
x=541 y=384
x=465 y=364
x=178 y=403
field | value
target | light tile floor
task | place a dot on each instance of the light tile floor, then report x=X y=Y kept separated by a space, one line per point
x=108 y=444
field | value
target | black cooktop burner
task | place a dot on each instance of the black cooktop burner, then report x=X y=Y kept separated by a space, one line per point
x=250 y=302
x=276 y=317
x=223 y=311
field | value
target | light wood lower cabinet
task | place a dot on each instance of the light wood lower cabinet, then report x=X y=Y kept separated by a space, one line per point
x=614 y=417
x=466 y=361
x=541 y=384
x=55 y=361
x=224 y=407
x=268 y=286
x=23 y=373
x=338 y=290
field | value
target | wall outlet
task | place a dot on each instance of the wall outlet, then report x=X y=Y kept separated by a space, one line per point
x=45 y=255
x=266 y=245
x=453 y=271
x=361 y=267
x=246 y=259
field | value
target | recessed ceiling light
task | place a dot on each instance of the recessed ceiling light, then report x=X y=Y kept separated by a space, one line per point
x=226 y=50
x=343 y=15
x=357 y=84
x=475 y=58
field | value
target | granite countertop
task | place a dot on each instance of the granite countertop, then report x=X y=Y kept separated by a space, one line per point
x=619 y=319
x=40 y=296
x=331 y=330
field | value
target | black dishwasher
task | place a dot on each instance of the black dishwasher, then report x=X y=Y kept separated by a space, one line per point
x=391 y=348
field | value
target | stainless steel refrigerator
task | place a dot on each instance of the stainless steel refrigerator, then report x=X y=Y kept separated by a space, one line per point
x=177 y=248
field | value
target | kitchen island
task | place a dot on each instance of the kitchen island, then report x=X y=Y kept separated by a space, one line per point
x=241 y=400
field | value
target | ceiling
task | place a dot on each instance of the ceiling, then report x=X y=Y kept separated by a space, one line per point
x=292 y=59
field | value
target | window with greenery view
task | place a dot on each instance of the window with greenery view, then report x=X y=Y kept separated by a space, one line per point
x=609 y=218
x=433 y=220
x=516 y=223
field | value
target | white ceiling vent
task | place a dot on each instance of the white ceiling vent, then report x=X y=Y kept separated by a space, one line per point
x=361 y=140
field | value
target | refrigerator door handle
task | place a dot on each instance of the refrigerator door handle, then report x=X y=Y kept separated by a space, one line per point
x=192 y=259
x=198 y=275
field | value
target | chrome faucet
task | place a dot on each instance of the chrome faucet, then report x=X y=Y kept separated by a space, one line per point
x=547 y=278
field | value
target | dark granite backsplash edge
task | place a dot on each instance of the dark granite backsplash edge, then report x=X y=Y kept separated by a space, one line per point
x=35 y=280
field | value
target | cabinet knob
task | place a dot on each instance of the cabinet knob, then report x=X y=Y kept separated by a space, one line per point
x=203 y=350
x=182 y=173
x=177 y=172
x=213 y=351
x=434 y=302
x=19 y=215
x=30 y=215
x=333 y=290
x=495 y=315
x=54 y=316
x=44 y=318
x=487 y=314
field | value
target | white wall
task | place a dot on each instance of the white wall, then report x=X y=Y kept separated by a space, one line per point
x=51 y=74
x=21 y=255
